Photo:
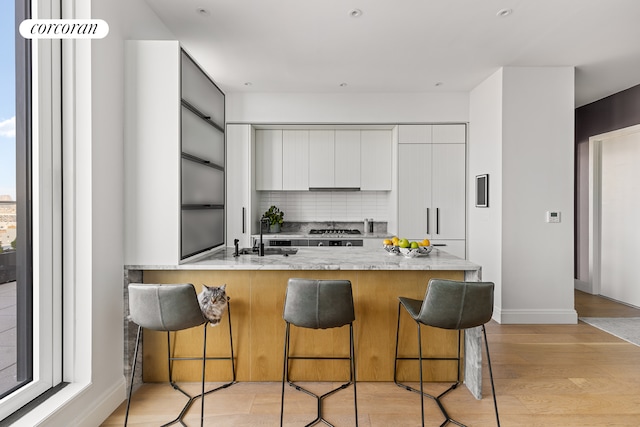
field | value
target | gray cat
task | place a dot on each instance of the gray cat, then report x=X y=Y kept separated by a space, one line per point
x=213 y=300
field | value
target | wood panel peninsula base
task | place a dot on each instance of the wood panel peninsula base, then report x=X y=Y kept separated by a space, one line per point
x=257 y=286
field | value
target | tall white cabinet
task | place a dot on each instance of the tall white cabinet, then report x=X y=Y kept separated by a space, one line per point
x=174 y=155
x=239 y=184
x=431 y=185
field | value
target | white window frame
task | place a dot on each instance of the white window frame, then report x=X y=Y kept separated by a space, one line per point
x=46 y=220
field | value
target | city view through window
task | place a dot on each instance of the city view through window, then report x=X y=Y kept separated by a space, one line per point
x=8 y=223
x=7 y=127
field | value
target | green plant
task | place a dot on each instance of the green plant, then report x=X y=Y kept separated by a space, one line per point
x=274 y=215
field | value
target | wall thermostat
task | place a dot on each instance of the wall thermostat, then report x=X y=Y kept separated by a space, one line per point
x=553 y=216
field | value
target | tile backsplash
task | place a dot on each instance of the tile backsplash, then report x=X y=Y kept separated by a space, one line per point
x=328 y=205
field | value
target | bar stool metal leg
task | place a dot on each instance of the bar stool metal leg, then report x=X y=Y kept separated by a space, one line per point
x=493 y=389
x=231 y=357
x=320 y=398
x=420 y=360
x=133 y=374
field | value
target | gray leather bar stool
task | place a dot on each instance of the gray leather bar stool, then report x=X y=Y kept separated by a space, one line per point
x=319 y=304
x=172 y=308
x=454 y=305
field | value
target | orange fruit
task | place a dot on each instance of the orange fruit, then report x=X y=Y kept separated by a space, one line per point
x=426 y=242
x=387 y=242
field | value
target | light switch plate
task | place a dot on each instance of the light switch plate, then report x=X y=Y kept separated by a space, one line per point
x=553 y=216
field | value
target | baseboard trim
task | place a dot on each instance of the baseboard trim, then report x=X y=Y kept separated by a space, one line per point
x=583 y=286
x=534 y=317
x=74 y=406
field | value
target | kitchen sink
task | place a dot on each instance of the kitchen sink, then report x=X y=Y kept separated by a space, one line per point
x=269 y=251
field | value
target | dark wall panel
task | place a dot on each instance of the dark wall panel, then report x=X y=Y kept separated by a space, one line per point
x=617 y=111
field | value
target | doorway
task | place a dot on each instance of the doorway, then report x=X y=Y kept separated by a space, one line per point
x=614 y=184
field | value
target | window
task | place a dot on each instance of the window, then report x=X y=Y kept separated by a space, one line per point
x=29 y=150
x=16 y=363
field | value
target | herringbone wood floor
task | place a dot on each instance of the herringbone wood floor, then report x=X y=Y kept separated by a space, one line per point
x=546 y=375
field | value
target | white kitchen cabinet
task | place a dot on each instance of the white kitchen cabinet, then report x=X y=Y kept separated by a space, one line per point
x=432 y=185
x=448 y=191
x=238 y=184
x=375 y=160
x=346 y=159
x=303 y=159
x=321 y=158
x=414 y=191
x=449 y=134
x=415 y=134
x=295 y=160
x=456 y=247
x=268 y=159
x=174 y=155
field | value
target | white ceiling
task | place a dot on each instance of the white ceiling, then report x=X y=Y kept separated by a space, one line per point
x=405 y=45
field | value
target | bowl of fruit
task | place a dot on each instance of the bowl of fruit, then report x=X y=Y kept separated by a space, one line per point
x=410 y=249
x=413 y=252
x=390 y=246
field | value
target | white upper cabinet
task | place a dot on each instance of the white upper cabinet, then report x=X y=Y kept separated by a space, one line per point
x=295 y=159
x=321 y=157
x=415 y=134
x=303 y=159
x=375 y=160
x=347 y=159
x=268 y=159
x=449 y=134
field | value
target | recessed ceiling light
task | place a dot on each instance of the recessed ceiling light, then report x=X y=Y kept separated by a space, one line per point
x=438 y=84
x=248 y=83
x=202 y=11
x=343 y=85
x=354 y=13
x=502 y=13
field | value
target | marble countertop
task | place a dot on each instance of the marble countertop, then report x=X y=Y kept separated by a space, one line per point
x=284 y=236
x=322 y=258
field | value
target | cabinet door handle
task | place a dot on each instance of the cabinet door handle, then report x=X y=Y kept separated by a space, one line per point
x=437 y=220
x=243 y=221
x=427 y=220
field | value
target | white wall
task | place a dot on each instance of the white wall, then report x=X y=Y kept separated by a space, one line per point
x=484 y=156
x=96 y=370
x=347 y=108
x=535 y=258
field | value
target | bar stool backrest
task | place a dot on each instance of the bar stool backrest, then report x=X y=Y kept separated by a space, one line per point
x=318 y=304
x=164 y=307
x=451 y=304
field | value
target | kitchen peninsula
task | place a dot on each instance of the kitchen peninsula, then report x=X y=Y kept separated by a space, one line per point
x=257 y=286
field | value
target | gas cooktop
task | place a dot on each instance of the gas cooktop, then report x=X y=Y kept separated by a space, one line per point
x=334 y=231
